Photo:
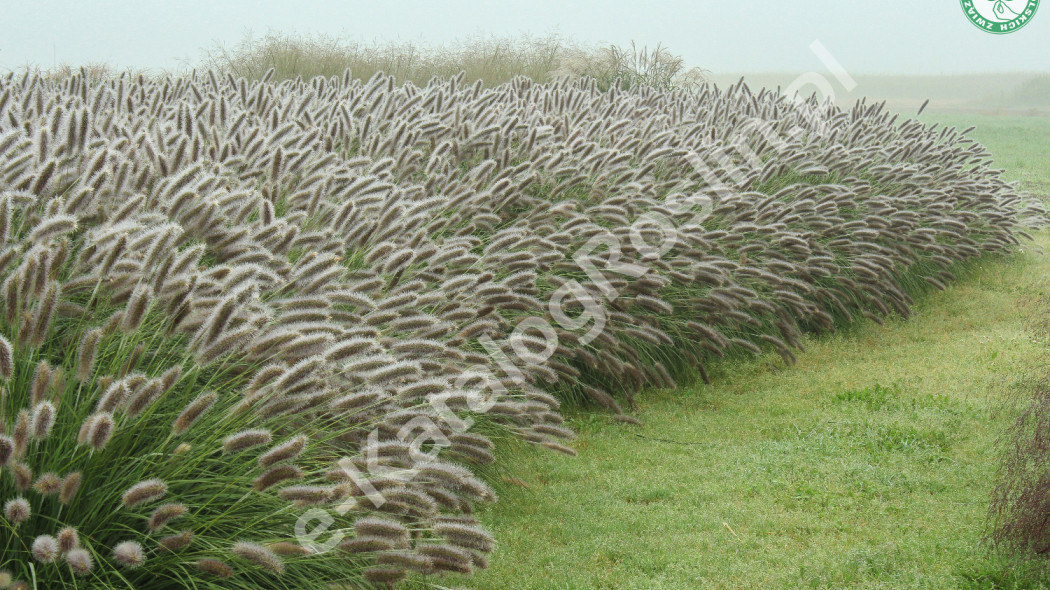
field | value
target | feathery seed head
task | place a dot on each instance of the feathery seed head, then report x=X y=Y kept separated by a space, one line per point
x=259 y=555
x=129 y=554
x=7 y=449
x=214 y=567
x=21 y=433
x=47 y=484
x=169 y=378
x=383 y=529
x=116 y=395
x=17 y=511
x=42 y=420
x=97 y=430
x=136 y=309
x=173 y=543
x=144 y=491
x=306 y=495
x=23 y=476
x=145 y=397
x=7 y=359
x=193 y=411
x=85 y=354
x=283 y=452
x=276 y=475
x=407 y=560
x=70 y=485
x=165 y=514
x=285 y=548
x=245 y=439
x=80 y=561
x=68 y=539
x=45 y=549
x=448 y=558
x=466 y=536
x=366 y=545
x=386 y=576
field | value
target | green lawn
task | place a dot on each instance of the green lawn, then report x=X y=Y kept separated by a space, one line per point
x=868 y=464
x=1021 y=145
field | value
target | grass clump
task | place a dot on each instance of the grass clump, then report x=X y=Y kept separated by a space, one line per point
x=93 y=458
x=197 y=270
x=1020 y=510
x=631 y=67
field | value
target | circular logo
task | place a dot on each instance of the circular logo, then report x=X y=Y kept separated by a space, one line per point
x=999 y=16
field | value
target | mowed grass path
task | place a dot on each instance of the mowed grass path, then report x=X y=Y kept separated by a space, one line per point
x=868 y=464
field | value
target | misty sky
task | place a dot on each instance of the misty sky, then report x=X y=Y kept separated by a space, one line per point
x=920 y=37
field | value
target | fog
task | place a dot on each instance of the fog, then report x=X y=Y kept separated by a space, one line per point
x=744 y=36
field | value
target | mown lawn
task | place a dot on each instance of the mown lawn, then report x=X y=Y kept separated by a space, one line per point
x=868 y=464
x=1021 y=145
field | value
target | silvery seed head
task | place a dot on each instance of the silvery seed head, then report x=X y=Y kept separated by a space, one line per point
x=7 y=449
x=129 y=554
x=283 y=452
x=176 y=542
x=214 y=567
x=145 y=491
x=47 y=484
x=246 y=439
x=193 y=412
x=41 y=380
x=70 y=486
x=45 y=549
x=17 y=511
x=136 y=309
x=86 y=353
x=43 y=418
x=259 y=556
x=97 y=430
x=80 y=561
x=23 y=476
x=7 y=359
x=165 y=514
x=68 y=539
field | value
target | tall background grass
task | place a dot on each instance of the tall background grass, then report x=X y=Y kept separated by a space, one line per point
x=493 y=60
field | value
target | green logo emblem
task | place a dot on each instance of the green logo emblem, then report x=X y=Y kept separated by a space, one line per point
x=999 y=16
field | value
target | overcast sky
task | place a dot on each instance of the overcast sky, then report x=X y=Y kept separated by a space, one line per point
x=920 y=37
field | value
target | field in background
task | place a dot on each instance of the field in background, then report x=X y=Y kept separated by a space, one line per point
x=1021 y=145
x=498 y=59
x=868 y=464
x=987 y=94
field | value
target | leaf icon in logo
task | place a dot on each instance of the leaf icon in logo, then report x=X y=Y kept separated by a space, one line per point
x=1000 y=8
